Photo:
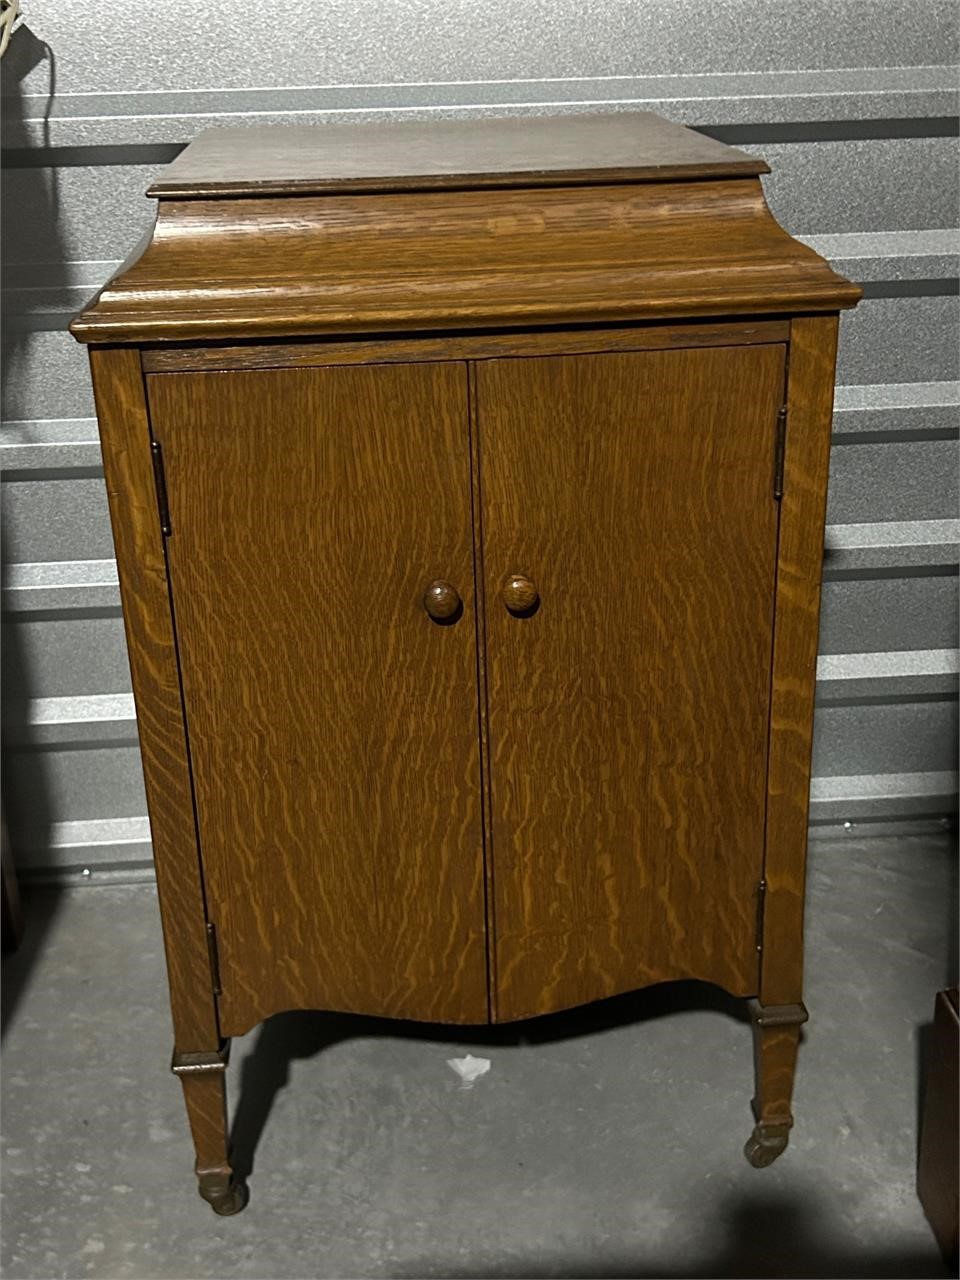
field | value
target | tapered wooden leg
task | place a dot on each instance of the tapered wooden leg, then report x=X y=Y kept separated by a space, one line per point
x=203 y=1076
x=776 y=1035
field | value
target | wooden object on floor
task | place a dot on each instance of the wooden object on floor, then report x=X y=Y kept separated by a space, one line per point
x=11 y=919
x=937 y=1172
x=468 y=488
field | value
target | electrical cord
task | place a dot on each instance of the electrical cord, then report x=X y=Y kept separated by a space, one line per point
x=9 y=13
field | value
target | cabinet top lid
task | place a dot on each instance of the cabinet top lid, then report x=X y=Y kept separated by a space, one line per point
x=412 y=155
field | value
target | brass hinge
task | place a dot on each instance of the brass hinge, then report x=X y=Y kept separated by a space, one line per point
x=761 y=902
x=779 y=449
x=214 y=958
x=160 y=480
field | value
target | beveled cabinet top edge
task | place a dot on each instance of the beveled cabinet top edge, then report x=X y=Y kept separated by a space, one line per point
x=522 y=151
x=299 y=262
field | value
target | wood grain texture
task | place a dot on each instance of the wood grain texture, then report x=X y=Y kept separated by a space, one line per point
x=464 y=346
x=483 y=719
x=526 y=151
x=519 y=594
x=628 y=714
x=776 y=1037
x=350 y=264
x=813 y=345
x=939 y=1162
x=442 y=601
x=333 y=724
x=493 y=680
x=125 y=438
x=205 y=1095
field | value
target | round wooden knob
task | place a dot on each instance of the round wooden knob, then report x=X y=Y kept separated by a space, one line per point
x=520 y=595
x=441 y=600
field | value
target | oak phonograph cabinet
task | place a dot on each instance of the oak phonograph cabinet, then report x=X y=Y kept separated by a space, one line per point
x=467 y=483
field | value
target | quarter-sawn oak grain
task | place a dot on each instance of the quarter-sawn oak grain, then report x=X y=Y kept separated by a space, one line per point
x=813 y=349
x=353 y=264
x=472 y=346
x=205 y=1097
x=128 y=469
x=628 y=714
x=393 y=372
x=333 y=724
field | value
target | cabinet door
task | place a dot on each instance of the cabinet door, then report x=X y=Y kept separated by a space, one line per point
x=332 y=724
x=628 y=712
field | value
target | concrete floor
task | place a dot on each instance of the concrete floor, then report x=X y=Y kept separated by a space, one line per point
x=603 y=1143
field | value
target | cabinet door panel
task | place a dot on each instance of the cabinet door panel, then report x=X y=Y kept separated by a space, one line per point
x=628 y=714
x=332 y=723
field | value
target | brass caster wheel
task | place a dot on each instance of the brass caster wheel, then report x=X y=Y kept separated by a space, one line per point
x=764 y=1145
x=228 y=1202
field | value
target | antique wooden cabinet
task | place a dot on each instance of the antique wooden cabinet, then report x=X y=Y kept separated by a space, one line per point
x=467 y=483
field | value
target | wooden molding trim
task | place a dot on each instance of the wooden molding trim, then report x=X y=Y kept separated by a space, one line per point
x=216 y=1060
x=777 y=1015
x=289 y=265
x=473 y=346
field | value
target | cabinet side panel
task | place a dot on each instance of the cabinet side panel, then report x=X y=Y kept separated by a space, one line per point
x=813 y=346
x=125 y=434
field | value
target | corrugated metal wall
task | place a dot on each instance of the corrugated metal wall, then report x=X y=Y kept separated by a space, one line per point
x=854 y=106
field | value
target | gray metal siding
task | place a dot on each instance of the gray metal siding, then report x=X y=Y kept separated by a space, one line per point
x=853 y=105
